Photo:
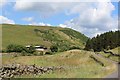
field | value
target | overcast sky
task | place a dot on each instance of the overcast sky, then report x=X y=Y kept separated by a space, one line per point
x=89 y=18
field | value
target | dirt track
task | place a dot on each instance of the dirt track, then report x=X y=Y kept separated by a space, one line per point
x=114 y=74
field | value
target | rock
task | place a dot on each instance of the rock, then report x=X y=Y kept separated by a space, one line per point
x=12 y=70
x=45 y=69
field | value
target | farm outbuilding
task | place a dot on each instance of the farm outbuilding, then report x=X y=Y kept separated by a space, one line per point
x=38 y=48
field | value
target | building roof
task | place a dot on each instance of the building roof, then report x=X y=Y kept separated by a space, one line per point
x=42 y=47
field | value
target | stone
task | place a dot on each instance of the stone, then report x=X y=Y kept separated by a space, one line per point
x=12 y=70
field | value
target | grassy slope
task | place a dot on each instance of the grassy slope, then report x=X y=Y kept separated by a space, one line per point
x=115 y=51
x=72 y=34
x=77 y=64
x=25 y=35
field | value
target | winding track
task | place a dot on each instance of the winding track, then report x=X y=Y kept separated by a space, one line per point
x=114 y=74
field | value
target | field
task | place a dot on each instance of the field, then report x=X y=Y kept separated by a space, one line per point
x=41 y=35
x=76 y=63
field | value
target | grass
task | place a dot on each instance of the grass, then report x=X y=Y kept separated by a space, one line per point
x=76 y=63
x=114 y=58
x=115 y=50
x=74 y=34
x=41 y=35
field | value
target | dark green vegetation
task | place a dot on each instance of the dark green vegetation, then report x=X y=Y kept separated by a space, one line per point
x=108 y=40
x=15 y=48
x=19 y=49
x=63 y=38
x=54 y=48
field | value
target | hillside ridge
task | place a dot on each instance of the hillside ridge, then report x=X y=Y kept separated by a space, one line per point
x=42 y=35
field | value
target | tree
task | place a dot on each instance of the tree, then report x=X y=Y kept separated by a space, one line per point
x=54 y=48
x=15 y=48
x=108 y=40
x=88 y=44
x=11 y=48
x=31 y=49
x=74 y=47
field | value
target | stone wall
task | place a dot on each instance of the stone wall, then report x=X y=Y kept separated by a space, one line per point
x=12 y=70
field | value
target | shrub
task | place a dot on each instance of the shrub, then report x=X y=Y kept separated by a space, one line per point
x=49 y=53
x=64 y=48
x=35 y=53
x=3 y=51
x=10 y=48
x=41 y=53
x=19 y=48
x=74 y=47
x=31 y=49
x=23 y=53
x=15 y=48
x=54 y=48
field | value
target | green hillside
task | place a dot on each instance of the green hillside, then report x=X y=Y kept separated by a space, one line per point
x=41 y=35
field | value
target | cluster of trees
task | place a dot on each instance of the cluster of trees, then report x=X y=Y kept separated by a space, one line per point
x=64 y=48
x=54 y=49
x=27 y=51
x=19 y=49
x=108 y=40
x=31 y=51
